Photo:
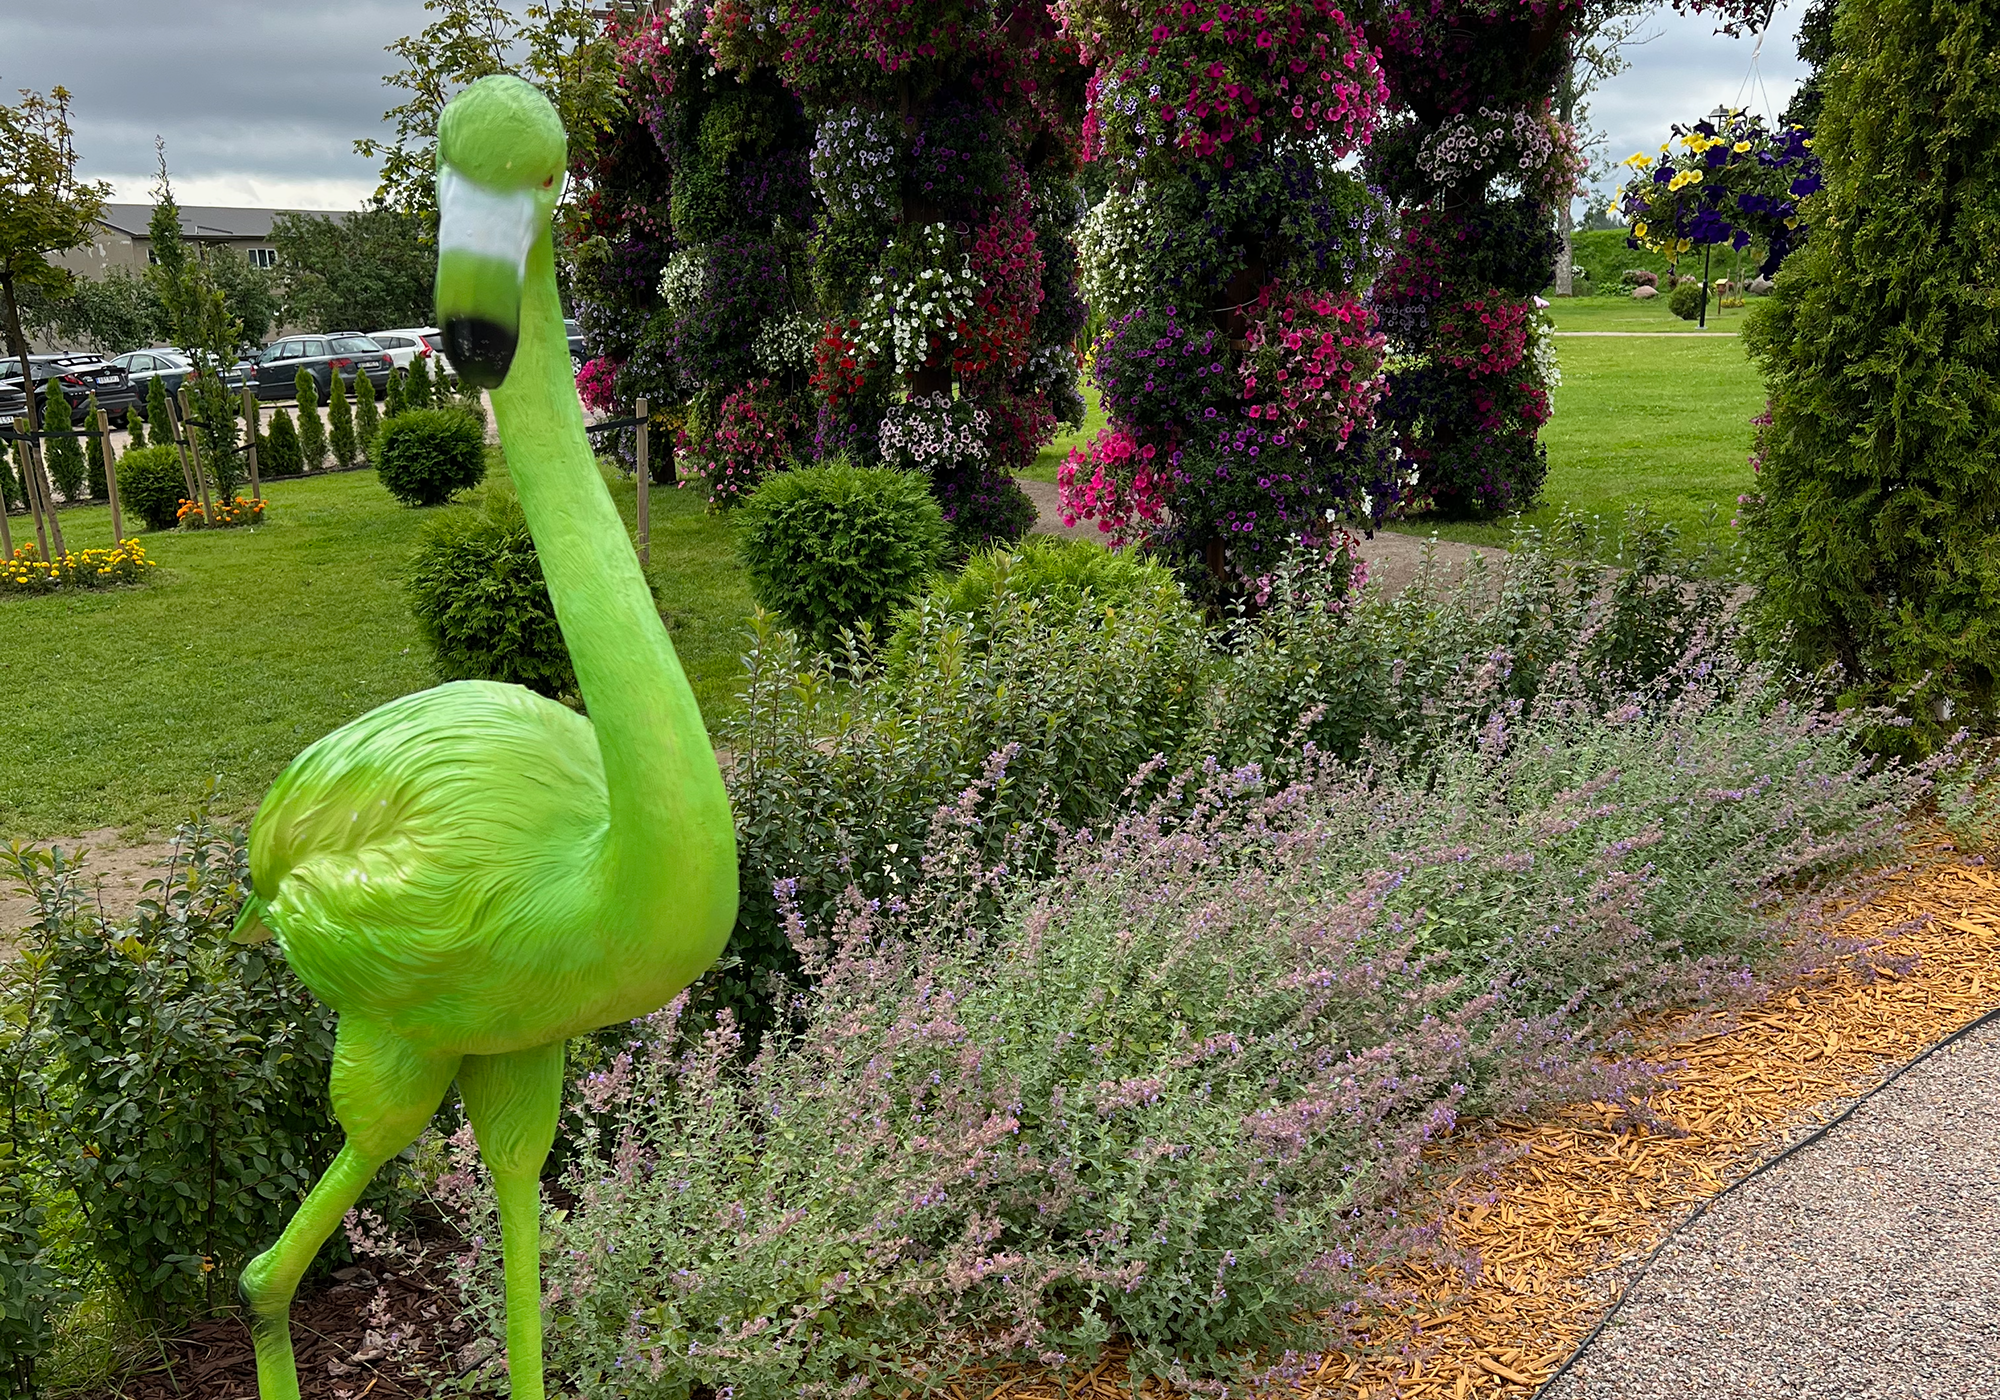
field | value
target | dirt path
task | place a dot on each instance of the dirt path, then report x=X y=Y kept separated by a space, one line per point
x=118 y=870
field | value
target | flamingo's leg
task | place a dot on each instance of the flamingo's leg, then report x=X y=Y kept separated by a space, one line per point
x=513 y=1101
x=384 y=1092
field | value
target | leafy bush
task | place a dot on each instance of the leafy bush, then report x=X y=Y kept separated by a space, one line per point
x=830 y=779
x=169 y=1083
x=836 y=545
x=1438 y=659
x=476 y=587
x=1170 y=1093
x=280 y=453
x=150 y=485
x=427 y=455
x=1059 y=573
x=1687 y=298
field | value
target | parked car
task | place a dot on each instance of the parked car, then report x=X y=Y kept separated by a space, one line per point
x=80 y=375
x=275 y=372
x=576 y=351
x=170 y=367
x=410 y=343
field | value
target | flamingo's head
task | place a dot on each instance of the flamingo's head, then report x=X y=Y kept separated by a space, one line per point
x=501 y=155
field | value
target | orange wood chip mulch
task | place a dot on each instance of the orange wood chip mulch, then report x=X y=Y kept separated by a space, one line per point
x=1583 y=1190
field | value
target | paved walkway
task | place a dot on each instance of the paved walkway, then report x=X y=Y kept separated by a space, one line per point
x=1864 y=1268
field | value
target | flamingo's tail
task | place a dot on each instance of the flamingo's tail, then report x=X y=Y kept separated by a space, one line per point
x=250 y=924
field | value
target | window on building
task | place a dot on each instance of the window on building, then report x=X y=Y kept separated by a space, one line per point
x=263 y=257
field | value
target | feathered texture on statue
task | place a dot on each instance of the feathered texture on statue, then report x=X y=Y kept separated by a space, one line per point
x=472 y=874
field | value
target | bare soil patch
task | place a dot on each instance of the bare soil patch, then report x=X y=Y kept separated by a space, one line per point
x=117 y=870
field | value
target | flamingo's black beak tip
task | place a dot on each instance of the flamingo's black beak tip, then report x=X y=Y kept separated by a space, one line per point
x=480 y=350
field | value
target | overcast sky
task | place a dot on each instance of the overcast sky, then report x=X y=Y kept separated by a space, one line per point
x=260 y=102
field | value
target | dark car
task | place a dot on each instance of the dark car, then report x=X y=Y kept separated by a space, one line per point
x=171 y=367
x=575 y=334
x=80 y=376
x=276 y=371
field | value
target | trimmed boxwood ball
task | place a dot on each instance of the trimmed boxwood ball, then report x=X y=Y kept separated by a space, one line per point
x=427 y=455
x=836 y=545
x=476 y=587
x=1686 y=299
x=150 y=485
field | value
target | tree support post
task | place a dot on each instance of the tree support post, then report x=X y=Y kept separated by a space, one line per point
x=251 y=427
x=194 y=459
x=110 y=475
x=645 y=482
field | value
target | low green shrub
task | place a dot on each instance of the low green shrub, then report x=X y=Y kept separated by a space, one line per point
x=150 y=485
x=842 y=765
x=837 y=546
x=1174 y=1092
x=428 y=455
x=476 y=587
x=279 y=452
x=1687 y=298
x=168 y=1084
x=1054 y=571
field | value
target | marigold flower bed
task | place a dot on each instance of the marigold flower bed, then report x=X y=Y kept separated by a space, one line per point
x=1585 y=1191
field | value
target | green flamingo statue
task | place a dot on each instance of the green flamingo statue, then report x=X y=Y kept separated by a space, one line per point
x=472 y=874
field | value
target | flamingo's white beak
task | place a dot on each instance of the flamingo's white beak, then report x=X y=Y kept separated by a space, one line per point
x=484 y=237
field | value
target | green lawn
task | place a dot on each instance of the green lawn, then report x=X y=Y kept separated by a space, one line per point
x=1625 y=314
x=1642 y=421
x=248 y=645
x=1051 y=457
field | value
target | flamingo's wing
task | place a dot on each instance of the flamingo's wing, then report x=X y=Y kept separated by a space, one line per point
x=425 y=860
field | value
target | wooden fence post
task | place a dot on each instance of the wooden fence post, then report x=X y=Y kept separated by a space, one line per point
x=110 y=475
x=180 y=449
x=194 y=459
x=250 y=430
x=645 y=492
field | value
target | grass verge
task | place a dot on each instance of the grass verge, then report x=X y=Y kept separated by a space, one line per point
x=250 y=644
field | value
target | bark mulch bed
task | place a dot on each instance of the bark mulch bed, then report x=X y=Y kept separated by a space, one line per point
x=1576 y=1199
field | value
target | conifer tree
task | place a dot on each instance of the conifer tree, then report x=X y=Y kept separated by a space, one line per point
x=366 y=421
x=312 y=432
x=96 y=450
x=135 y=427
x=158 y=419
x=393 y=395
x=1871 y=542
x=340 y=421
x=281 y=446
x=417 y=386
x=64 y=457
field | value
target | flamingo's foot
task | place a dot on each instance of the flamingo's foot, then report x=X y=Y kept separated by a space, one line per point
x=269 y=1309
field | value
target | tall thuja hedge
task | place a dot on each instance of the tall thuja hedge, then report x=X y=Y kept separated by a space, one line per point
x=690 y=253
x=1238 y=364
x=944 y=157
x=1879 y=469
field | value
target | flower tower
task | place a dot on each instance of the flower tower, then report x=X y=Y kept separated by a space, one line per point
x=689 y=247
x=942 y=270
x=1239 y=365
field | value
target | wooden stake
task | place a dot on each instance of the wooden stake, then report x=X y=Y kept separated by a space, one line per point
x=31 y=483
x=194 y=459
x=250 y=428
x=645 y=493
x=180 y=447
x=110 y=476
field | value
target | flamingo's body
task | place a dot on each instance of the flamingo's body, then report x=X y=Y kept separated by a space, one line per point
x=473 y=874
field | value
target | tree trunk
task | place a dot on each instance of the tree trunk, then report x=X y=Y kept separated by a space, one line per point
x=37 y=485
x=1565 y=218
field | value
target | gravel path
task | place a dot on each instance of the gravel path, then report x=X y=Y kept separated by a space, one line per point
x=1864 y=1268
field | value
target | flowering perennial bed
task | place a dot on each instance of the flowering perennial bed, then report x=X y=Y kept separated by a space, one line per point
x=28 y=572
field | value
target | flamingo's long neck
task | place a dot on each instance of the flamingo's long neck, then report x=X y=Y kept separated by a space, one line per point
x=669 y=860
